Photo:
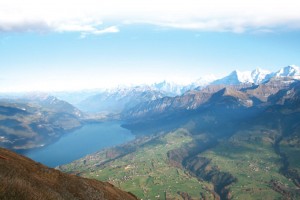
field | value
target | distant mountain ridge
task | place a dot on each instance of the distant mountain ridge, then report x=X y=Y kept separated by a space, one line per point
x=124 y=98
x=257 y=76
x=119 y=99
x=288 y=71
x=243 y=94
x=35 y=121
x=236 y=77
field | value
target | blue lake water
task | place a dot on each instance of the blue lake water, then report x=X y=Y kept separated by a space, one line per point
x=72 y=146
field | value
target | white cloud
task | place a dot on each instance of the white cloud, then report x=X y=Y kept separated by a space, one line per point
x=94 y=31
x=90 y=16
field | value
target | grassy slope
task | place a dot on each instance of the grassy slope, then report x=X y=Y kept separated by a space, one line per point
x=22 y=178
x=293 y=155
x=250 y=157
x=290 y=147
x=147 y=172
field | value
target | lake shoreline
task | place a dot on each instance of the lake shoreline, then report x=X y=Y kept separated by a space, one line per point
x=89 y=138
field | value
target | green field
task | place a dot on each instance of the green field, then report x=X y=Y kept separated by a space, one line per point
x=290 y=148
x=250 y=157
x=148 y=174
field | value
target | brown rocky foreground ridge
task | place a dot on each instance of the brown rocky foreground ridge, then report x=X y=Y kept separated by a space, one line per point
x=22 y=178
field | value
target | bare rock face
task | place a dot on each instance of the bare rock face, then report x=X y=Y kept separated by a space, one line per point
x=22 y=178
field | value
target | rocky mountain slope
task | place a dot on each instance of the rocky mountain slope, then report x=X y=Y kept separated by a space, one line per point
x=22 y=178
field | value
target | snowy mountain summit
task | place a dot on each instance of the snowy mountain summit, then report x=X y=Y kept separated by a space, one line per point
x=171 y=88
x=257 y=76
x=289 y=71
x=237 y=77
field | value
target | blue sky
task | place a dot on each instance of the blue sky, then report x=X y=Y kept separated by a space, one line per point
x=138 y=42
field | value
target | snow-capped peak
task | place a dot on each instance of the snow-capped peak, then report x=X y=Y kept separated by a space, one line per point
x=243 y=77
x=259 y=75
x=291 y=70
x=236 y=77
x=204 y=80
x=169 y=87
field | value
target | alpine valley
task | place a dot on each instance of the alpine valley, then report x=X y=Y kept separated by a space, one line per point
x=236 y=137
x=231 y=138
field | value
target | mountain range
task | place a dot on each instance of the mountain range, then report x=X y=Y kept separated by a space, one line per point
x=117 y=100
x=257 y=76
x=236 y=77
x=220 y=142
x=124 y=98
x=246 y=94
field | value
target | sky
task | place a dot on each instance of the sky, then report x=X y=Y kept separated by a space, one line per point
x=62 y=45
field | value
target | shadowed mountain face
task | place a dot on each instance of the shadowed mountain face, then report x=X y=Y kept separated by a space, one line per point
x=34 y=122
x=22 y=178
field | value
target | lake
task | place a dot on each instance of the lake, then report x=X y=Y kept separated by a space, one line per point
x=86 y=140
